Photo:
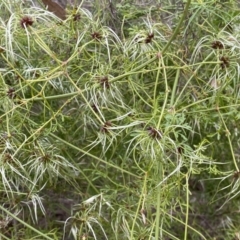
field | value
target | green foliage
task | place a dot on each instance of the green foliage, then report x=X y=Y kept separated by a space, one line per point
x=121 y=126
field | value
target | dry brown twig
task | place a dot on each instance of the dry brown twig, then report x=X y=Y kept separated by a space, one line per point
x=55 y=8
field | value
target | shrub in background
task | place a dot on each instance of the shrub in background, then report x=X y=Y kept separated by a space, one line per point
x=125 y=134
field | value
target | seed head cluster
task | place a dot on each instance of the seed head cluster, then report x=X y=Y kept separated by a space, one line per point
x=26 y=21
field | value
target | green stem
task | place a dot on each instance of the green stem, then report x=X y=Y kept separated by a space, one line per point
x=158 y=213
x=155 y=88
x=188 y=226
x=140 y=202
x=92 y=156
x=187 y=210
x=176 y=31
x=25 y=224
x=229 y=141
x=175 y=87
x=166 y=96
x=189 y=80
